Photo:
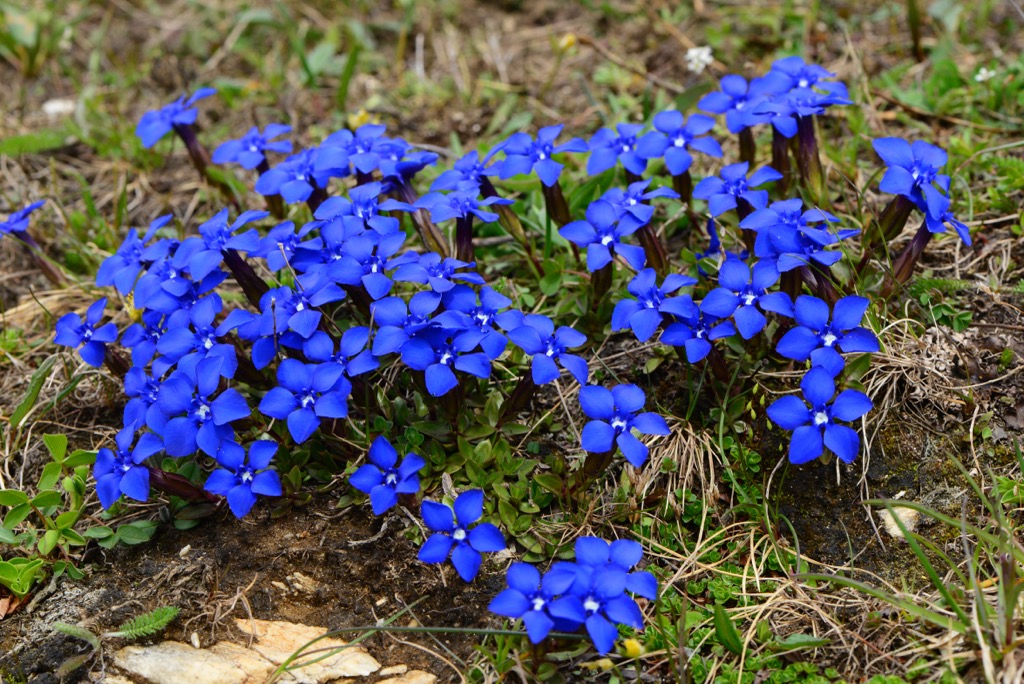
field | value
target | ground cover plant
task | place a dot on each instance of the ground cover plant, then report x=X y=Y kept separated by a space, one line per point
x=632 y=386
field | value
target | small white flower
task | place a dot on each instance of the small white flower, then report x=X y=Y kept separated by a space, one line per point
x=698 y=59
x=58 y=107
x=984 y=74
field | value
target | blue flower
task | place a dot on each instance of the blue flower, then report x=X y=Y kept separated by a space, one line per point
x=523 y=154
x=307 y=393
x=143 y=337
x=362 y=149
x=120 y=471
x=90 y=340
x=789 y=73
x=732 y=184
x=436 y=352
x=453 y=535
x=300 y=311
x=645 y=314
x=675 y=136
x=187 y=345
x=363 y=207
x=398 y=322
x=695 y=333
x=816 y=338
x=440 y=273
x=157 y=123
x=813 y=424
x=529 y=597
x=601 y=234
x=608 y=147
x=545 y=345
x=598 y=599
x=240 y=479
x=741 y=294
x=250 y=150
x=194 y=419
x=365 y=260
x=734 y=100
x=469 y=169
x=786 y=235
x=938 y=215
x=384 y=478
x=476 y=315
x=463 y=202
x=782 y=112
x=913 y=171
x=18 y=221
x=296 y=177
x=142 y=391
x=614 y=414
x=352 y=355
x=630 y=204
x=282 y=242
x=123 y=267
x=621 y=553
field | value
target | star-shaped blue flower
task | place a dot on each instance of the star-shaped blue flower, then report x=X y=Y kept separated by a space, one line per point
x=384 y=478
x=453 y=535
x=614 y=414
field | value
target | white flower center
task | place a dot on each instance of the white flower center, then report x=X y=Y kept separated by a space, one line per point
x=679 y=142
x=820 y=418
x=803 y=83
x=459 y=534
x=538 y=603
x=590 y=605
x=300 y=307
x=541 y=156
x=748 y=299
x=607 y=240
x=618 y=424
x=246 y=476
x=829 y=339
x=445 y=358
x=391 y=479
x=308 y=401
x=202 y=411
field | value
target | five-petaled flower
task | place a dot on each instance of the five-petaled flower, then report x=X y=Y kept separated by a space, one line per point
x=240 y=479
x=157 y=123
x=602 y=235
x=453 y=535
x=644 y=315
x=545 y=345
x=120 y=471
x=529 y=597
x=91 y=341
x=816 y=338
x=384 y=478
x=614 y=414
x=307 y=393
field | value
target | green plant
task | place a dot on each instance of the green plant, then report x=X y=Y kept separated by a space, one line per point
x=138 y=627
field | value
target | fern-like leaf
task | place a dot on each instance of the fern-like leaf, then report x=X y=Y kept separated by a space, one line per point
x=146 y=624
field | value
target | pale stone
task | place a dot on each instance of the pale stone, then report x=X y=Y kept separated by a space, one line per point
x=908 y=517
x=172 y=662
x=411 y=677
x=277 y=641
x=393 y=670
x=256 y=667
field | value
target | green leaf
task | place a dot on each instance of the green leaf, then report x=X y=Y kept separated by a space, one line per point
x=7 y=537
x=48 y=542
x=146 y=624
x=17 y=515
x=80 y=457
x=47 y=498
x=550 y=482
x=77 y=632
x=67 y=519
x=798 y=641
x=12 y=497
x=35 y=142
x=726 y=632
x=137 y=532
x=51 y=473
x=73 y=538
x=34 y=386
x=98 y=532
x=57 y=445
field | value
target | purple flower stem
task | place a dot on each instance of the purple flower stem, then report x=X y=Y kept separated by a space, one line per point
x=683 y=184
x=176 y=485
x=464 y=238
x=429 y=233
x=904 y=265
x=274 y=202
x=657 y=258
x=49 y=271
x=201 y=160
x=558 y=209
x=519 y=399
x=780 y=160
x=807 y=159
x=316 y=198
x=252 y=285
x=748 y=148
x=822 y=283
x=600 y=283
x=511 y=223
x=115 y=362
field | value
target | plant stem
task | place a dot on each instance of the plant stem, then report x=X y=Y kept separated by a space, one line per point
x=748 y=148
x=200 y=157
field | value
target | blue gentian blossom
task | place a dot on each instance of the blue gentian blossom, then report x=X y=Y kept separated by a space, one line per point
x=461 y=203
x=142 y=391
x=936 y=222
x=743 y=294
x=523 y=154
x=623 y=554
x=645 y=314
x=191 y=337
x=157 y=123
x=360 y=148
x=470 y=169
x=143 y=337
x=598 y=599
x=816 y=338
x=122 y=268
x=675 y=136
x=352 y=355
x=384 y=478
x=301 y=312
x=297 y=177
x=601 y=234
x=251 y=149
x=120 y=471
x=913 y=171
x=282 y=242
x=545 y=345
x=789 y=73
x=732 y=184
x=529 y=596
x=240 y=479
x=439 y=354
x=17 y=223
x=453 y=535
x=478 y=314
x=607 y=147
x=363 y=204
x=194 y=418
x=734 y=100
x=813 y=418
x=614 y=417
x=84 y=335
x=442 y=274
x=631 y=203
x=398 y=322
x=201 y=255
x=306 y=394
x=783 y=112
x=365 y=260
x=696 y=333
x=791 y=236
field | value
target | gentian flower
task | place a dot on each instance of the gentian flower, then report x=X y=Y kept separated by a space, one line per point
x=696 y=333
x=123 y=267
x=307 y=393
x=913 y=172
x=621 y=553
x=191 y=338
x=398 y=322
x=811 y=425
x=240 y=479
x=942 y=215
x=298 y=176
x=732 y=184
x=352 y=355
x=365 y=260
x=143 y=337
x=785 y=112
x=477 y=314
x=142 y=391
x=601 y=234
x=785 y=234
x=120 y=471
x=645 y=314
x=598 y=599
x=462 y=203
x=523 y=154
x=453 y=536
x=740 y=294
x=439 y=273
x=250 y=150
x=734 y=100
x=675 y=136
x=435 y=352
x=384 y=478
x=364 y=207
x=608 y=147
x=630 y=204
x=614 y=414
x=157 y=123
x=361 y=148
x=470 y=169
x=17 y=223
x=816 y=338
x=538 y=338
x=90 y=340
x=529 y=595
x=201 y=255
x=194 y=420
x=789 y=73
x=283 y=241
x=301 y=311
